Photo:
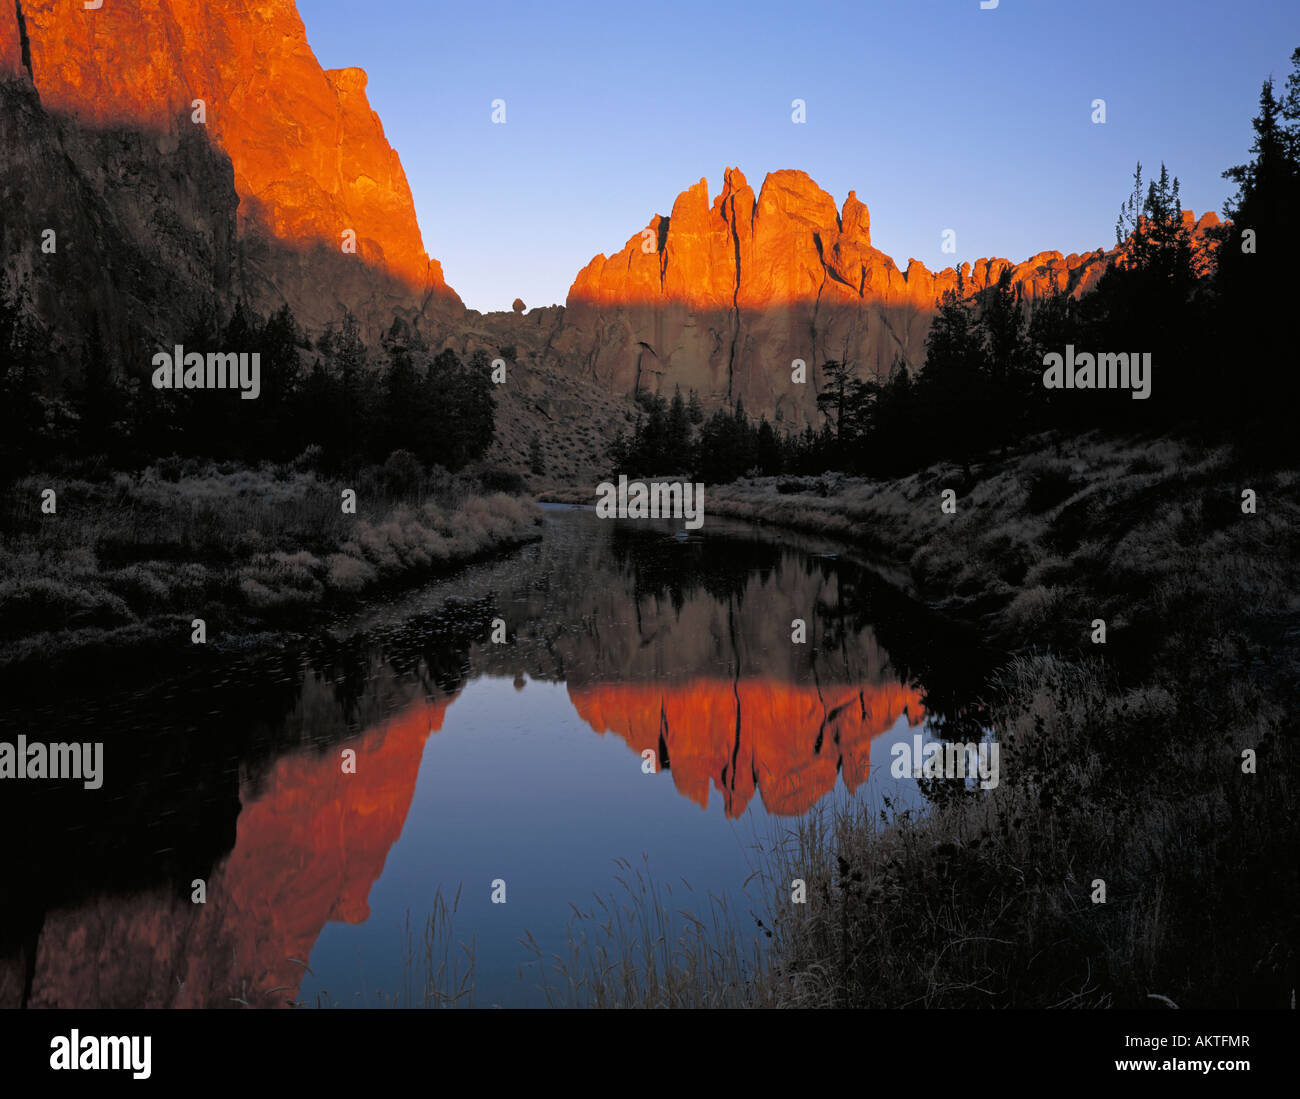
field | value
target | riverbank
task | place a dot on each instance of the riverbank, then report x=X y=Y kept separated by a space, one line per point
x=125 y=562
x=1138 y=850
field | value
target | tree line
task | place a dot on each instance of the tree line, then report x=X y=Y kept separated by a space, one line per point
x=350 y=405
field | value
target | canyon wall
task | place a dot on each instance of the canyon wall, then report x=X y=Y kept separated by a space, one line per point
x=190 y=154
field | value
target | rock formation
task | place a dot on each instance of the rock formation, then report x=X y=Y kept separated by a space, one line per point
x=723 y=297
x=144 y=108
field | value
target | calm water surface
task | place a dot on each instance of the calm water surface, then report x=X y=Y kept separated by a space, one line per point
x=475 y=762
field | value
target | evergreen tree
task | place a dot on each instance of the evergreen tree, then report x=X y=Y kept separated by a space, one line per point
x=1011 y=377
x=281 y=435
x=1052 y=326
x=470 y=414
x=1254 y=278
x=347 y=392
x=405 y=418
x=1142 y=305
x=952 y=394
x=98 y=399
x=845 y=403
x=654 y=456
x=768 y=451
x=679 y=433
x=894 y=436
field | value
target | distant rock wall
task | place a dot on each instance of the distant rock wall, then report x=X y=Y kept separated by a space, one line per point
x=722 y=297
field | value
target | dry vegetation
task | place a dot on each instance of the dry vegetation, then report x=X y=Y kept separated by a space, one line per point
x=131 y=557
x=647 y=946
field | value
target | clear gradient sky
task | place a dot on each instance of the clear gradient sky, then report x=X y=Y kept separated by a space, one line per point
x=940 y=115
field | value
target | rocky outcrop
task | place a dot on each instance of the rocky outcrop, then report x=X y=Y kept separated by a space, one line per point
x=308 y=157
x=723 y=297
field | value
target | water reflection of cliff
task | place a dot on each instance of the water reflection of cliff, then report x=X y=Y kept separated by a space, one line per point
x=784 y=742
x=688 y=651
x=310 y=842
x=683 y=650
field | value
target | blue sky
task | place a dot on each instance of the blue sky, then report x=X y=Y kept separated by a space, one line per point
x=940 y=116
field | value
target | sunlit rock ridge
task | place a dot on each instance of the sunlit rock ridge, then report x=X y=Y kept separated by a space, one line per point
x=309 y=157
x=723 y=296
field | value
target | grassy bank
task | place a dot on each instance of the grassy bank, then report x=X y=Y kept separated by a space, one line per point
x=1122 y=761
x=129 y=560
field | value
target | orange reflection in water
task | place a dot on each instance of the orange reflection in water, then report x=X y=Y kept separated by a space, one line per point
x=787 y=741
x=310 y=843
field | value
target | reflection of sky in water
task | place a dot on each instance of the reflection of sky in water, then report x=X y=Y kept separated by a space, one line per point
x=527 y=793
x=623 y=639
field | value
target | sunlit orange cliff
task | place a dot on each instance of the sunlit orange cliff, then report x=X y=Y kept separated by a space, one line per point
x=309 y=156
x=723 y=297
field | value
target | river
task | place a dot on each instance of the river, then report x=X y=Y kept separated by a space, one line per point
x=615 y=691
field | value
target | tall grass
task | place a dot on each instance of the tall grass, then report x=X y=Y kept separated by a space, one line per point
x=437 y=973
x=647 y=945
x=135 y=555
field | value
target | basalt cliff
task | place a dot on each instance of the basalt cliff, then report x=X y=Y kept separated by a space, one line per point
x=724 y=297
x=188 y=155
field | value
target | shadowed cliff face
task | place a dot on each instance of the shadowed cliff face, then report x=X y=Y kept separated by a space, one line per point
x=308 y=155
x=142 y=254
